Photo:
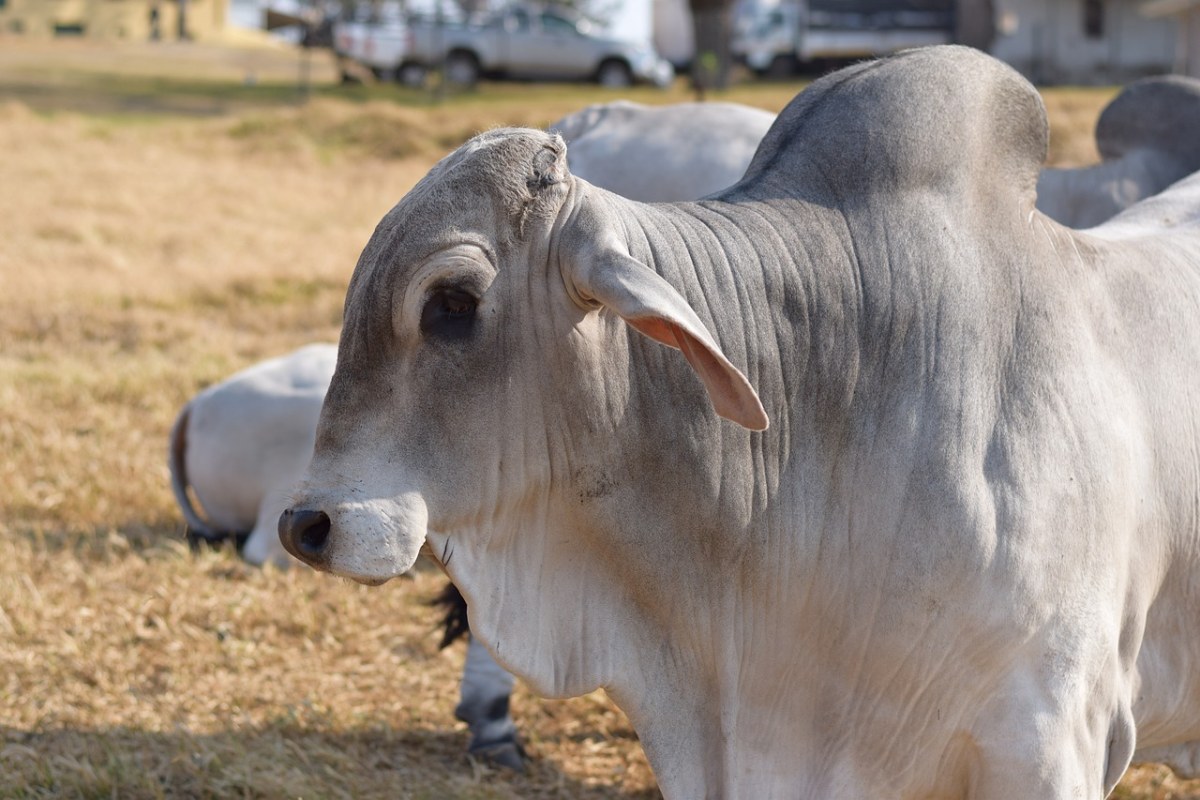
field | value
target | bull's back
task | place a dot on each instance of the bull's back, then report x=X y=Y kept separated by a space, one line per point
x=1149 y=263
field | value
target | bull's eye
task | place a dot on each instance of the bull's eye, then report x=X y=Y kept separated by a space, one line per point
x=448 y=313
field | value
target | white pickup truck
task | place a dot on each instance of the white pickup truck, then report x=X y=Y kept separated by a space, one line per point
x=381 y=45
x=517 y=43
x=776 y=39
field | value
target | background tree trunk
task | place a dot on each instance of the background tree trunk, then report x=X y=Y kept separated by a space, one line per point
x=712 y=62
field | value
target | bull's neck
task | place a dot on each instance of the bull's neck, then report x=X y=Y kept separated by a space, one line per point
x=784 y=307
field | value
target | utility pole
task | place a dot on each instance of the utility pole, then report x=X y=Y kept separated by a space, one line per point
x=712 y=61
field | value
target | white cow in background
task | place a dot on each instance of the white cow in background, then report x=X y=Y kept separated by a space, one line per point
x=1148 y=136
x=240 y=446
x=662 y=153
x=944 y=542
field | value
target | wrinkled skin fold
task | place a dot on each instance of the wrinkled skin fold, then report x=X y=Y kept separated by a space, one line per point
x=910 y=512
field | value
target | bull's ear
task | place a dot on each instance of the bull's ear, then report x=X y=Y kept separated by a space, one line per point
x=652 y=307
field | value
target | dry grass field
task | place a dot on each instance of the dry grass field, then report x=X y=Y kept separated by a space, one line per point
x=148 y=249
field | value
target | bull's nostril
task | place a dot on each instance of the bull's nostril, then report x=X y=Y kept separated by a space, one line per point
x=304 y=533
x=315 y=534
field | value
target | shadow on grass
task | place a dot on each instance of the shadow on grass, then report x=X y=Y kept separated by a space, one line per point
x=139 y=96
x=121 y=95
x=161 y=535
x=276 y=761
x=145 y=96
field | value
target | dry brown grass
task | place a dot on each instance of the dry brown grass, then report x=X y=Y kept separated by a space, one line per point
x=141 y=260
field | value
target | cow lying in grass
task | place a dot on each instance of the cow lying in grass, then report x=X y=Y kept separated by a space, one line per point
x=662 y=153
x=240 y=446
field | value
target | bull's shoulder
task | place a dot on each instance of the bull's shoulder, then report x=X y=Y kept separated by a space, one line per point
x=949 y=118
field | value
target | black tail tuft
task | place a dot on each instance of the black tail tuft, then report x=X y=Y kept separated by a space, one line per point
x=454 y=620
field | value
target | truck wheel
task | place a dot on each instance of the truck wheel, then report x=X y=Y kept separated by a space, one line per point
x=461 y=69
x=614 y=75
x=411 y=75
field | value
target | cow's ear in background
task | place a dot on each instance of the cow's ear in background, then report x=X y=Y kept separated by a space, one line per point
x=652 y=307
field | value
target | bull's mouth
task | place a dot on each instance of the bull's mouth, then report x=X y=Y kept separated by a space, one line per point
x=364 y=574
x=372 y=582
x=362 y=580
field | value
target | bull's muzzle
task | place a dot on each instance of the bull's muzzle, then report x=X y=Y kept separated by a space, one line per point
x=305 y=534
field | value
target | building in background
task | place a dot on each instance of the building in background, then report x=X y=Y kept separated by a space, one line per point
x=673 y=36
x=115 y=19
x=1049 y=41
x=1186 y=14
x=1083 y=41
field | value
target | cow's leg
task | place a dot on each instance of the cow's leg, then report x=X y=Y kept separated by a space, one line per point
x=485 y=691
x=263 y=545
x=1045 y=739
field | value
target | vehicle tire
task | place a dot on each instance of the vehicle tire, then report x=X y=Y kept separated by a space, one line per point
x=461 y=69
x=411 y=75
x=614 y=74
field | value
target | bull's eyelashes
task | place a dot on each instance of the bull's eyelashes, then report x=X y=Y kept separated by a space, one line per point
x=448 y=313
x=440 y=302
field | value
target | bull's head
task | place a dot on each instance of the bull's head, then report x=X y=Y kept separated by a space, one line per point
x=483 y=362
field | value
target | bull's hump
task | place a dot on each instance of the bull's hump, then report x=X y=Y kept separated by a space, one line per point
x=946 y=117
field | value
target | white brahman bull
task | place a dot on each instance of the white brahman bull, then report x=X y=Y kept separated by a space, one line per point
x=1148 y=136
x=962 y=560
